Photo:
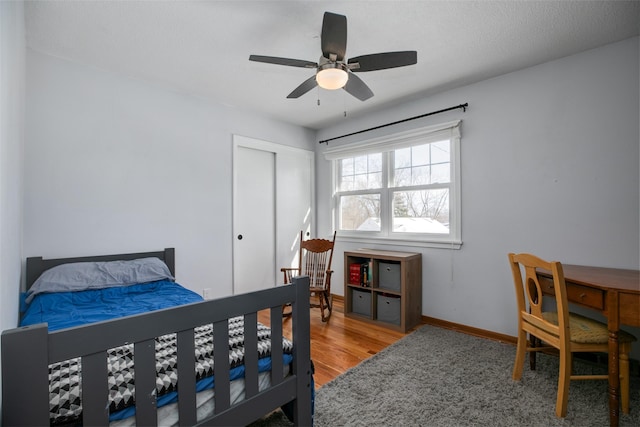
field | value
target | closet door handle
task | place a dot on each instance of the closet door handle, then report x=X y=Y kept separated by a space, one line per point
x=239 y=236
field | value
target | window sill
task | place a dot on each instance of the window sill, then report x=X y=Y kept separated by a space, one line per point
x=439 y=244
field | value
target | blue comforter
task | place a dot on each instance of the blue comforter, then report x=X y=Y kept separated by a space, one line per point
x=68 y=309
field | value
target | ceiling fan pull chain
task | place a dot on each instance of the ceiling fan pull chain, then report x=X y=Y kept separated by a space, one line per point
x=344 y=102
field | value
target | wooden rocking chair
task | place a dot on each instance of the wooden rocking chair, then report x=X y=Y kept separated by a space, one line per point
x=315 y=261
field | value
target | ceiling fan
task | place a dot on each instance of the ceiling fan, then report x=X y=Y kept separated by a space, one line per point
x=332 y=72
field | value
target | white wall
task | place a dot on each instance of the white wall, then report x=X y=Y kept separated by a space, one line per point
x=12 y=86
x=549 y=165
x=113 y=165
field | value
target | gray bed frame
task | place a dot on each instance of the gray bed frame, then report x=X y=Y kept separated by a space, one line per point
x=27 y=352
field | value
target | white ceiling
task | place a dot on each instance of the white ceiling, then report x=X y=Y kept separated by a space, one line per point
x=202 y=47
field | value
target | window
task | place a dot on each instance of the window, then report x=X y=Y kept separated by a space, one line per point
x=401 y=188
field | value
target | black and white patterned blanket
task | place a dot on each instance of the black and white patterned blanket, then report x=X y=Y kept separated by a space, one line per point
x=65 y=377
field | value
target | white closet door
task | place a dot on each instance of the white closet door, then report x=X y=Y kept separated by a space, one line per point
x=272 y=201
x=254 y=220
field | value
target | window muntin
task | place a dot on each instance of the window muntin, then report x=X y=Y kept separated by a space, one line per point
x=408 y=189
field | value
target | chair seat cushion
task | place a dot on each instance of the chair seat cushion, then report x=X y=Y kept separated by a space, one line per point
x=588 y=331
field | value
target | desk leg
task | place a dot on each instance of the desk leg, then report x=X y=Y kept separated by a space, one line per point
x=614 y=363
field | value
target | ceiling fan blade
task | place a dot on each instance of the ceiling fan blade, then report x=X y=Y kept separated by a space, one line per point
x=382 y=61
x=356 y=87
x=334 y=36
x=283 y=61
x=305 y=87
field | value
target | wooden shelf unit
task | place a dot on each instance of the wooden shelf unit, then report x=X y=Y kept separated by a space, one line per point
x=392 y=294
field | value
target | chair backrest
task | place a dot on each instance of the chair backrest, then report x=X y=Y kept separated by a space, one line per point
x=529 y=298
x=315 y=260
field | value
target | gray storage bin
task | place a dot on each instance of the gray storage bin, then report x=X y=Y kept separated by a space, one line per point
x=388 y=309
x=361 y=302
x=389 y=276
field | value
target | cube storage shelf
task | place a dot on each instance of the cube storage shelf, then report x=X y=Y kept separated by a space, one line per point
x=383 y=287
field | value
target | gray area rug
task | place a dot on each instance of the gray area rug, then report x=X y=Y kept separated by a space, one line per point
x=437 y=377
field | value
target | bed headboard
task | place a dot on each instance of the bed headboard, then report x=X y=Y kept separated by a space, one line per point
x=36 y=265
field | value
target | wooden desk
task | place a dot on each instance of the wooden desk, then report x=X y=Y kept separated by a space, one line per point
x=616 y=294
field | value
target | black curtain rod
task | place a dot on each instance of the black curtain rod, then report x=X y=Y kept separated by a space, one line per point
x=463 y=106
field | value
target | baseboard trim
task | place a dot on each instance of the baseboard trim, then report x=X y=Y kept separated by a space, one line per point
x=469 y=330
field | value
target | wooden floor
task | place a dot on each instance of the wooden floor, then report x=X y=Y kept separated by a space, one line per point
x=340 y=343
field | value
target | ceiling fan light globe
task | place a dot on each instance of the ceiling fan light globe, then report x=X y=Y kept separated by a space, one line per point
x=332 y=78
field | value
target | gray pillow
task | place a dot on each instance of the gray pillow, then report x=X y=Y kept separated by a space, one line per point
x=80 y=276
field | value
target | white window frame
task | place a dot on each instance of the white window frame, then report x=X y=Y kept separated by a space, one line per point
x=386 y=144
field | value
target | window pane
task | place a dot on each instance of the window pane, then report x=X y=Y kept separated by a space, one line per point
x=402 y=177
x=425 y=211
x=440 y=173
x=360 y=173
x=375 y=180
x=412 y=165
x=420 y=175
x=345 y=180
x=360 y=212
x=402 y=158
x=360 y=182
x=375 y=162
x=440 y=152
x=346 y=184
x=346 y=167
x=360 y=164
x=420 y=155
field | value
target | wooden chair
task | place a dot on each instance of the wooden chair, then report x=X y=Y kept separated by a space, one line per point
x=314 y=261
x=567 y=332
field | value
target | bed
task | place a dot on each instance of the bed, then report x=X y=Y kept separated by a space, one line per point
x=243 y=387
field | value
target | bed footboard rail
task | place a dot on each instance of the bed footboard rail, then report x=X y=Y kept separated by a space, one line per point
x=28 y=351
